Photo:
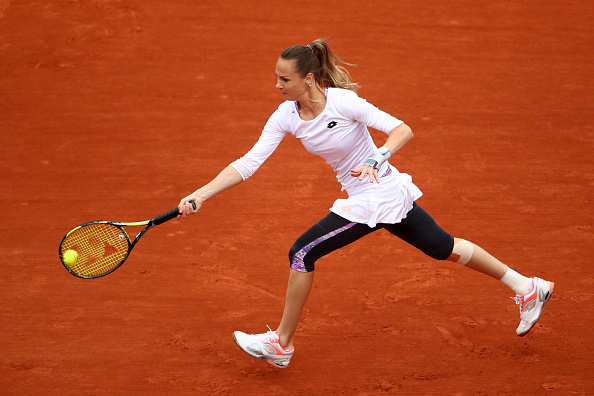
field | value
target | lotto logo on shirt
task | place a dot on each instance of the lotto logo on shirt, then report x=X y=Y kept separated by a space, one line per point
x=332 y=124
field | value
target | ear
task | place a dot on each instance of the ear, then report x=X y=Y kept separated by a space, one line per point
x=309 y=79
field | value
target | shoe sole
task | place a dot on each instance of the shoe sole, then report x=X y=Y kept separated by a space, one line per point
x=275 y=364
x=543 y=305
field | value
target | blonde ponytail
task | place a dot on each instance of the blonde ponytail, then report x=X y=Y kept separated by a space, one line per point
x=318 y=59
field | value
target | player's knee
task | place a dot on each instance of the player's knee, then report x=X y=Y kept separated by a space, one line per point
x=462 y=252
x=298 y=259
x=438 y=248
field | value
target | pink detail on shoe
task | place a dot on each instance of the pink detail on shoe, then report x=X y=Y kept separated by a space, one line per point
x=273 y=345
x=532 y=303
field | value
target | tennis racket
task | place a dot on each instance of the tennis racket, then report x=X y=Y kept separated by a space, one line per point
x=102 y=246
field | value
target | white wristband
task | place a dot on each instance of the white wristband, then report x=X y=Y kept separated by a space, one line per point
x=380 y=156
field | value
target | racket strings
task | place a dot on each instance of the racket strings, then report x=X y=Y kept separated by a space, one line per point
x=100 y=247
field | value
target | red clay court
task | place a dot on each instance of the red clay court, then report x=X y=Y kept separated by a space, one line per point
x=116 y=109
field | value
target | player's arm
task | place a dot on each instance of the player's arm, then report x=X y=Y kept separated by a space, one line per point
x=228 y=178
x=241 y=169
x=397 y=138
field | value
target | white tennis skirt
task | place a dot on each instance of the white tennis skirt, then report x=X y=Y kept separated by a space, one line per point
x=386 y=202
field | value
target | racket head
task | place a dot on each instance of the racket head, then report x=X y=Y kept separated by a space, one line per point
x=102 y=247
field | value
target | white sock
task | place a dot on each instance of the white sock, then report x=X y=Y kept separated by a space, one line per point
x=518 y=283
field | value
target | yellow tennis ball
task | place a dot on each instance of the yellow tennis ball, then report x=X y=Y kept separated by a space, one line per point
x=70 y=257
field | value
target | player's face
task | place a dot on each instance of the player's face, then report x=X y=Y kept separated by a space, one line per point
x=288 y=81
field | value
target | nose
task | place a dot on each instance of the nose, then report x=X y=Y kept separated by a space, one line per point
x=278 y=83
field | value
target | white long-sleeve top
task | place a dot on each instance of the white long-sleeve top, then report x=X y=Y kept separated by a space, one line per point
x=340 y=136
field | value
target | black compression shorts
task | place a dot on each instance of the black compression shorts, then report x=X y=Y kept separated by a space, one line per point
x=333 y=232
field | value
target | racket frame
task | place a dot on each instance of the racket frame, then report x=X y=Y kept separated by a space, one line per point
x=172 y=214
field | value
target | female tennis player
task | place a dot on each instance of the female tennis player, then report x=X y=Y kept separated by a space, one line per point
x=322 y=109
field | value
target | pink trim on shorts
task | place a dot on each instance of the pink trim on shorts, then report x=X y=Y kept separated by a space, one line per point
x=297 y=262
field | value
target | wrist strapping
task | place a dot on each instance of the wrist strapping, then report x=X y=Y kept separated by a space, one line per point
x=380 y=156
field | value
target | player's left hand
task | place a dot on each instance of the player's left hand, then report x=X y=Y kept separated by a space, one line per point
x=364 y=170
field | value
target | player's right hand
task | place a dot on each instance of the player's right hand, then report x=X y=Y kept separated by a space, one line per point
x=364 y=170
x=185 y=205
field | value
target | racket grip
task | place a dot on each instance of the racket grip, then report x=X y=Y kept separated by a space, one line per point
x=172 y=214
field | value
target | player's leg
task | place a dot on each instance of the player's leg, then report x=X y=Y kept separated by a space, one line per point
x=298 y=289
x=532 y=294
x=421 y=231
x=331 y=233
x=277 y=346
x=475 y=257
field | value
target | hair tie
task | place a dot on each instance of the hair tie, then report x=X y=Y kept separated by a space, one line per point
x=310 y=47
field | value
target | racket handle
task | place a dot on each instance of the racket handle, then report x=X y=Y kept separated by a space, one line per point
x=172 y=214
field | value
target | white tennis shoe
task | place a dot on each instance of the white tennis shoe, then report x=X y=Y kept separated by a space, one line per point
x=264 y=346
x=532 y=303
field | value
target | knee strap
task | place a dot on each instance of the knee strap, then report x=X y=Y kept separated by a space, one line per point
x=464 y=250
